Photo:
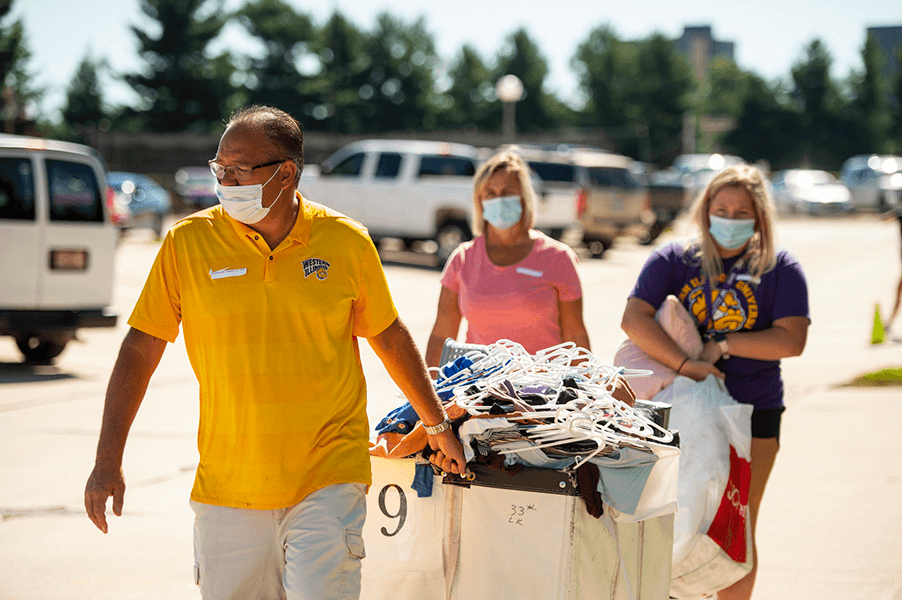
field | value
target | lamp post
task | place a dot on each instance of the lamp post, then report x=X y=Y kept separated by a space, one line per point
x=509 y=90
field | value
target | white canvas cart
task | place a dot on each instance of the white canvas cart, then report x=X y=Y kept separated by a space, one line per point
x=510 y=542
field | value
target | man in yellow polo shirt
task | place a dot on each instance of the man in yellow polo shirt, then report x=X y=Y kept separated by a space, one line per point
x=271 y=292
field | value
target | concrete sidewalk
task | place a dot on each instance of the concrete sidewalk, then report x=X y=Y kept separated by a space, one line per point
x=830 y=526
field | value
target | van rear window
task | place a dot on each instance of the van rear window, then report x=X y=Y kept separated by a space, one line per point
x=433 y=165
x=556 y=172
x=16 y=189
x=613 y=177
x=74 y=193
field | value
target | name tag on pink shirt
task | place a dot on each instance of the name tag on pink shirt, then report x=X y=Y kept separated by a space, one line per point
x=529 y=272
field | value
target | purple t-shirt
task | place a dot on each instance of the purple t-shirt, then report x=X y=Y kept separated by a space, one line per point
x=517 y=302
x=782 y=292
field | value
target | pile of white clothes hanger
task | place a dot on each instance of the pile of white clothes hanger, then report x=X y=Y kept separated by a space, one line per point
x=558 y=400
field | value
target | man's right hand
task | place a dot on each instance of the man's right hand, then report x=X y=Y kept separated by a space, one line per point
x=103 y=483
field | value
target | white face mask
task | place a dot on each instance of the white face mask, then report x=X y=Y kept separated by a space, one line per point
x=245 y=202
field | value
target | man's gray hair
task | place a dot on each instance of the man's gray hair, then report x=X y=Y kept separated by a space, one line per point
x=279 y=127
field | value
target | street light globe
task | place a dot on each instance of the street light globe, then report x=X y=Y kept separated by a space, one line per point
x=509 y=88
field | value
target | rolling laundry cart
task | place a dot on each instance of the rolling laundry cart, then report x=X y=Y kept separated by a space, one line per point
x=496 y=536
x=505 y=537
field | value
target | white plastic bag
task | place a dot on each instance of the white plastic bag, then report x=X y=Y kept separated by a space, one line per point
x=709 y=421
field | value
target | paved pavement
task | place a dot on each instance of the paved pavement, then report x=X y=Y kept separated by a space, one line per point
x=830 y=526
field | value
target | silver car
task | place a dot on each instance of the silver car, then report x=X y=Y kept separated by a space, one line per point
x=810 y=191
x=875 y=181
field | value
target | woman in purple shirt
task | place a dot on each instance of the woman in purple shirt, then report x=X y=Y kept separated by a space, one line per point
x=750 y=302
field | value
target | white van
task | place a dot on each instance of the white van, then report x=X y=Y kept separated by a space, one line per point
x=57 y=244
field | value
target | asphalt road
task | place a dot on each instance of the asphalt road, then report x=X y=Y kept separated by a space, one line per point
x=50 y=418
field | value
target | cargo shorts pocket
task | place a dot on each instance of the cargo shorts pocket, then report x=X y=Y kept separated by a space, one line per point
x=354 y=543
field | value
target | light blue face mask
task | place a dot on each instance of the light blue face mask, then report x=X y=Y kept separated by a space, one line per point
x=503 y=212
x=731 y=234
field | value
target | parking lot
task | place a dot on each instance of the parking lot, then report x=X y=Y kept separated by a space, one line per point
x=831 y=527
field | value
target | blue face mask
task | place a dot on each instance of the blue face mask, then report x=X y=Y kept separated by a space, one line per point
x=731 y=234
x=503 y=212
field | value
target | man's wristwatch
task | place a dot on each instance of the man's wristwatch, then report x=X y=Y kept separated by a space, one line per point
x=721 y=339
x=442 y=427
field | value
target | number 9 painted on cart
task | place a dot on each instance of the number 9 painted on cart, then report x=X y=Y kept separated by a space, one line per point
x=401 y=515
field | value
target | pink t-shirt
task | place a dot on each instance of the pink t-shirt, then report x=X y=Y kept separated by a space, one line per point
x=518 y=302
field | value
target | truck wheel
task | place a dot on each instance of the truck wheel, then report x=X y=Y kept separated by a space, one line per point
x=158 y=225
x=597 y=246
x=37 y=349
x=450 y=235
x=653 y=232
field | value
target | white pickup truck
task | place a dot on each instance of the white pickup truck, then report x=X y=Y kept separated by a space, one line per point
x=411 y=190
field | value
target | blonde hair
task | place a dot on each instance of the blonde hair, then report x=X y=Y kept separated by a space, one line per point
x=760 y=253
x=506 y=160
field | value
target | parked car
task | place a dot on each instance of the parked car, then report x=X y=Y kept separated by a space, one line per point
x=137 y=201
x=196 y=187
x=555 y=182
x=809 y=191
x=875 y=181
x=698 y=170
x=57 y=243
x=411 y=190
x=669 y=195
x=613 y=200
x=605 y=195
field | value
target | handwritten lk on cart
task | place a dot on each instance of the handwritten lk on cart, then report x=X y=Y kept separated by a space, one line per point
x=518 y=513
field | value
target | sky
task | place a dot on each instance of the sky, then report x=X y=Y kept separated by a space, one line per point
x=769 y=35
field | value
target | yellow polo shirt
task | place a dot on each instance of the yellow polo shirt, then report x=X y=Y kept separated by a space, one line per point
x=272 y=337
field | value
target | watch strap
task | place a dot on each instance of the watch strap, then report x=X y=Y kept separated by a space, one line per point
x=442 y=427
x=721 y=339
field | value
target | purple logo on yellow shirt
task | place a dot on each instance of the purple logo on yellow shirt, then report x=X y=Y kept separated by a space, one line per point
x=316 y=265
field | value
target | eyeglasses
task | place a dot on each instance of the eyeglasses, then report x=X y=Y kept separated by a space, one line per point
x=241 y=173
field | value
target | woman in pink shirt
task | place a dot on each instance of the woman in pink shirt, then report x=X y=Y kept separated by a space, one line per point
x=511 y=281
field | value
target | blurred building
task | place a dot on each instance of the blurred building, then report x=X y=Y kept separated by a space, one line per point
x=700 y=46
x=889 y=39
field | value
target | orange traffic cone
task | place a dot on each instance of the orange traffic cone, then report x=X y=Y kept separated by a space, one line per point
x=878 y=334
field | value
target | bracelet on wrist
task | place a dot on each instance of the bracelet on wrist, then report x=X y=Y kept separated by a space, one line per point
x=442 y=427
x=682 y=364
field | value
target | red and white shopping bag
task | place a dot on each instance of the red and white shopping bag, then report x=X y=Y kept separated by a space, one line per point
x=723 y=556
x=712 y=532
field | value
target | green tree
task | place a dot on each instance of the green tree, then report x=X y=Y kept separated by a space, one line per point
x=826 y=130
x=344 y=66
x=84 y=100
x=470 y=98
x=724 y=90
x=400 y=85
x=522 y=57
x=182 y=88
x=606 y=69
x=16 y=83
x=636 y=91
x=896 y=109
x=287 y=37
x=766 y=127
x=870 y=105
x=661 y=96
